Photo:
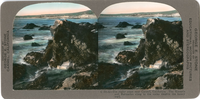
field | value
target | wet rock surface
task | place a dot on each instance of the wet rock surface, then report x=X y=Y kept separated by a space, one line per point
x=130 y=83
x=163 y=40
x=19 y=71
x=132 y=57
x=35 y=59
x=38 y=83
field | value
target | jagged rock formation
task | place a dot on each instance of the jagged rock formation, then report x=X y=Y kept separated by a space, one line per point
x=163 y=40
x=30 y=26
x=162 y=46
x=71 y=42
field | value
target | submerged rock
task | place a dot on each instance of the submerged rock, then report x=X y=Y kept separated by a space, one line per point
x=44 y=28
x=167 y=38
x=30 y=26
x=38 y=83
x=123 y=24
x=35 y=44
x=120 y=36
x=131 y=82
x=128 y=43
x=27 y=37
x=137 y=26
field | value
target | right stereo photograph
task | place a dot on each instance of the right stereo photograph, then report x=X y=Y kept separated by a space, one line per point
x=140 y=47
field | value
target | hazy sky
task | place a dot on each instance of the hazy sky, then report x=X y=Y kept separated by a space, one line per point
x=52 y=8
x=126 y=7
x=132 y=7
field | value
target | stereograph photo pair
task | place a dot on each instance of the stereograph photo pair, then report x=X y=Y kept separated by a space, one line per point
x=100 y=49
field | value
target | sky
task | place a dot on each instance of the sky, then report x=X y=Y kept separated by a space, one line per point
x=51 y=8
x=134 y=7
x=119 y=8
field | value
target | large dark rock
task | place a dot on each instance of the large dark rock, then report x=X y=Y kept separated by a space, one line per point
x=98 y=26
x=132 y=57
x=19 y=72
x=35 y=44
x=44 y=28
x=123 y=24
x=38 y=83
x=27 y=37
x=71 y=42
x=36 y=59
x=131 y=82
x=163 y=40
x=75 y=43
x=30 y=26
x=120 y=36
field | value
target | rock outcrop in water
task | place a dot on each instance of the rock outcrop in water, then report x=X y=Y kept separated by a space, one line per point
x=27 y=37
x=132 y=57
x=35 y=59
x=30 y=26
x=123 y=24
x=128 y=43
x=35 y=44
x=120 y=36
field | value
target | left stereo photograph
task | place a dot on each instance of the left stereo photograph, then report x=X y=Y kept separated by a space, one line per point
x=47 y=48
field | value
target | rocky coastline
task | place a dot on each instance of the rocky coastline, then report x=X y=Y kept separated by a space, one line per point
x=77 y=45
x=162 y=48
